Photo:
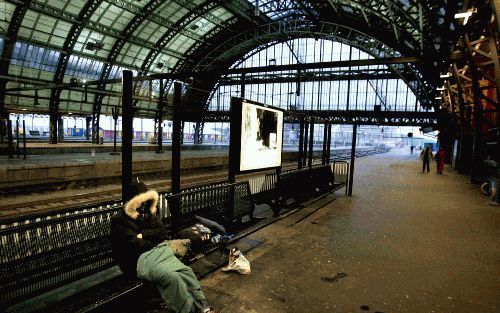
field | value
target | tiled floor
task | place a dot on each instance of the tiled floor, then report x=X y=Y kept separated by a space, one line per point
x=405 y=242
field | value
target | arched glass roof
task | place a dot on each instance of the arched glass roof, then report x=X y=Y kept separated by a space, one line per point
x=46 y=44
x=320 y=89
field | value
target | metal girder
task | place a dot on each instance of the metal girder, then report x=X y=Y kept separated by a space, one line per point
x=87 y=11
x=321 y=65
x=200 y=10
x=392 y=118
x=241 y=8
x=103 y=29
x=379 y=12
x=307 y=77
x=194 y=13
x=227 y=52
x=425 y=27
x=495 y=4
x=478 y=79
x=125 y=34
x=157 y=18
x=45 y=84
x=186 y=67
x=232 y=49
x=85 y=14
x=8 y=45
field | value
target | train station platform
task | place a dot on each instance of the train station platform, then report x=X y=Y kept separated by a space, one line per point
x=404 y=242
x=46 y=182
x=69 y=162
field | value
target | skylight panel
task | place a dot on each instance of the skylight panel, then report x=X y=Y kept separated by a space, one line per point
x=6 y=11
x=276 y=10
x=149 y=31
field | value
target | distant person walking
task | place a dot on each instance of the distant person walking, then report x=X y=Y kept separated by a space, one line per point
x=440 y=157
x=411 y=149
x=426 y=156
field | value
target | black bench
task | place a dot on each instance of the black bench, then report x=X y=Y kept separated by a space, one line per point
x=267 y=192
x=223 y=203
x=304 y=184
x=42 y=252
x=299 y=185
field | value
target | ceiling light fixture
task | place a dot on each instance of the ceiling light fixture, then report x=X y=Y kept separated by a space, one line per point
x=445 y=75
x=94 y=46
x=464 y=15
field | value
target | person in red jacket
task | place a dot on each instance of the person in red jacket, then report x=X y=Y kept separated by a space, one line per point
x=440 y=157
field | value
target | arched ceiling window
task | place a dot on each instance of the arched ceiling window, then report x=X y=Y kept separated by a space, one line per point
x=339 y=88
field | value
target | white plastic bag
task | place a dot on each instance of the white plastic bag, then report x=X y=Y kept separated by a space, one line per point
x=237 y=262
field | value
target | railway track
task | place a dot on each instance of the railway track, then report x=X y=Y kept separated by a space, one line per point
x=52 y=197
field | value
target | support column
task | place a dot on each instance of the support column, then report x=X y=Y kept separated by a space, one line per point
x=3 y=128
x=306 y=133
x=60 y=129
x=176 y=140
x=242 y=91
x=301 y=142
x=353 y=157
x=461 y=107
x=88 y=121
x=115 y=113
x=477 y=150
x=349 y=80
x=10 y=140
x=53 y=119
x=160 y=119
x=329 y=143
x=24 y=140
x=325 y=138
x=17 y=136
x=198 y=133
x=311 y=143
x=127 y=124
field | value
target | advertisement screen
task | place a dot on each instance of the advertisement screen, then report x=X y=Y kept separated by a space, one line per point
x=261 y=136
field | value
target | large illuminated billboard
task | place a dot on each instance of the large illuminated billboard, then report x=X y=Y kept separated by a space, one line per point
x=256 y=135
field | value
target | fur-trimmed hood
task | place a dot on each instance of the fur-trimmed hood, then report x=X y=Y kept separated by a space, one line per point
x=134 y=203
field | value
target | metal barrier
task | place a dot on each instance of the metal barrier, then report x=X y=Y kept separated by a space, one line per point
x=340 y=171
x=224 y=201
x=49 y=251
x=43 y=216
x=42 y=251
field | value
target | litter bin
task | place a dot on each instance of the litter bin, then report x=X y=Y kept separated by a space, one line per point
x=490 y=188
x=494 y=182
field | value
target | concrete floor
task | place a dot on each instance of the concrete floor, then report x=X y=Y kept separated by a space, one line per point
x=405 y=242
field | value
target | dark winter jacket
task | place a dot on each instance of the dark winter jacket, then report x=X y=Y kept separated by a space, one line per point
x=129 y=225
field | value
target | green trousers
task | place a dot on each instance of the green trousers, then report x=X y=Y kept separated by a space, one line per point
x=176 y=282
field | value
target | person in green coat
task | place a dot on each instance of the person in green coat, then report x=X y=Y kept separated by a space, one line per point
x=140 y=247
